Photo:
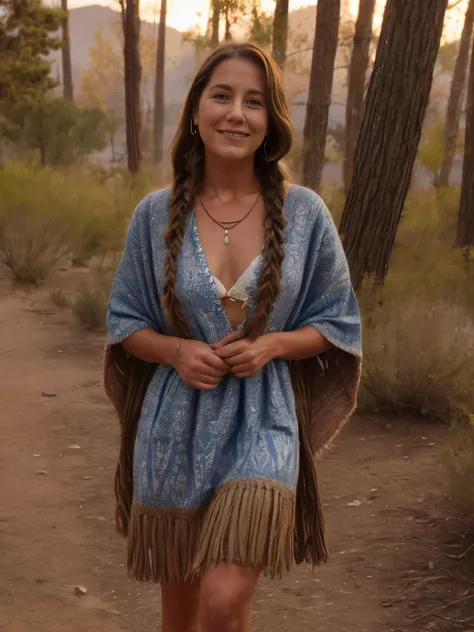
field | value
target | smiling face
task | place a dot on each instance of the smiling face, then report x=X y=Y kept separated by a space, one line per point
x=232 y=114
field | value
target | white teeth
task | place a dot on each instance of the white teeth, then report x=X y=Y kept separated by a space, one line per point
x=234 y=135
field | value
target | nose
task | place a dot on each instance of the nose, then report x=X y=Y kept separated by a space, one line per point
x=236 y=111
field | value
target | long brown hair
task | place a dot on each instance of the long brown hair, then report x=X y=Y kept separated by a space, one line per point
x=188 y=166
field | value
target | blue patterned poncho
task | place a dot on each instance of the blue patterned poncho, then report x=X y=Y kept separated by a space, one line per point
x=228 y=475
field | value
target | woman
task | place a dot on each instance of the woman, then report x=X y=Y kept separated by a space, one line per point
x=233 y=355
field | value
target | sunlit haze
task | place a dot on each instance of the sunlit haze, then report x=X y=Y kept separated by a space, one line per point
x=185 y=14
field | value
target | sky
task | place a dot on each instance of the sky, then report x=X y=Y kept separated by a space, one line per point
x=182 y=17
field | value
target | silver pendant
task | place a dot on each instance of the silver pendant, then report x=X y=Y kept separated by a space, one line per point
x=226 y=237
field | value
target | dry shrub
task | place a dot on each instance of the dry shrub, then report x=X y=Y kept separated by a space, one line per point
x=458 y=458
x=59 y=299
x=419 y=357
x=90 y=304
x=49 y=215
x=29 y=247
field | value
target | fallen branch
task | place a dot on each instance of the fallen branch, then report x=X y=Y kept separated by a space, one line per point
x=448 y=605
x=462 y=556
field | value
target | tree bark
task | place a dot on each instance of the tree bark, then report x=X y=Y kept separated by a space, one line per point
x=458 y=86
x=68 y=91
x=396 y=102
x=465 y=235
x=320 y=90
x=216 y=17
x=159 y=112
x=133 y=72
x=280 y=32
x=356 y=84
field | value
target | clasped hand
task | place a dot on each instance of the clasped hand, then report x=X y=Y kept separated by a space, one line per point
x=203 y=366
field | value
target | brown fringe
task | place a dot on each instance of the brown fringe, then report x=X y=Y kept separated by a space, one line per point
x=325 y=399
x=248 y=522
x=162 y=543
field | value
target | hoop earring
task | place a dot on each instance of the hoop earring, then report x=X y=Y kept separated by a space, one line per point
x=265 y=153
x=193 y=128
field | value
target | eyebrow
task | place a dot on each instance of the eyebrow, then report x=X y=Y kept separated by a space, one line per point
x=224 y=86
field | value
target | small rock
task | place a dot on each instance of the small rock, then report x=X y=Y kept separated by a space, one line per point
x=40 y=580
x=80 y=591
x=430 y=566
x=60 y=350
x=431 y=444
x=86 y=478
x=74 y=447
x=48 y=394
x=36 y=456
x=355 y=503
x=41 y=473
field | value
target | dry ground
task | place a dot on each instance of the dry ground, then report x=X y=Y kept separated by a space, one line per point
x=393 y=541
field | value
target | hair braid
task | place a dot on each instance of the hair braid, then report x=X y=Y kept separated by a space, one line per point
x=272 y=180
x=181 y=202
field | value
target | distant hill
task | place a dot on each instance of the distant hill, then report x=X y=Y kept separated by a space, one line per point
x=84 y=23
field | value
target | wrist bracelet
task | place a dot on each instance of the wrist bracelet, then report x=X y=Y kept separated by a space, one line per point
x=178 y=344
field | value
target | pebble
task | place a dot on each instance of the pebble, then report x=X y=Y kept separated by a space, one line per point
x=86 y=478
x=41 y=473
x=80 y=591
x=74 y=447
x=36 y=456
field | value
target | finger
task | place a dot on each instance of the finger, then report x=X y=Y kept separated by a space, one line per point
x=202 y=386
x=246 y=374
x=240 y=358
x=244 y=369
x=211 y=372
x=235 y=335
x=201 y=376
x=212 y=360
x=232 y=349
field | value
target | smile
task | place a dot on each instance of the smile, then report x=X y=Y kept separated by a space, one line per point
x=230 y=134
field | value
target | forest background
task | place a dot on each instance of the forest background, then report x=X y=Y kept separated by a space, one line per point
x=382 y=99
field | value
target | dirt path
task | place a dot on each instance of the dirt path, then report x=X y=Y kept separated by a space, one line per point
x=383 y=489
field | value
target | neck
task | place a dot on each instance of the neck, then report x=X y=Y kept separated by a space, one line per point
x=229 y=179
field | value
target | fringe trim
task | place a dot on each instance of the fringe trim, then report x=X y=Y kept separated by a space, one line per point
x=249 y=522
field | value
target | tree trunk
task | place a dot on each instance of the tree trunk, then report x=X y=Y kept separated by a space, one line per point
x=396 y=102
x=280 y=32
x=66 y=55
x=320 y=90
x=458 y=85
x=465 y=236
x=227 y=33
x=159 y=113
x=133 y=72
x=216 y=17
x=356 y=84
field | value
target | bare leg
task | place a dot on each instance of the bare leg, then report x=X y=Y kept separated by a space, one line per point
x=180 y=606
x=226 y=596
